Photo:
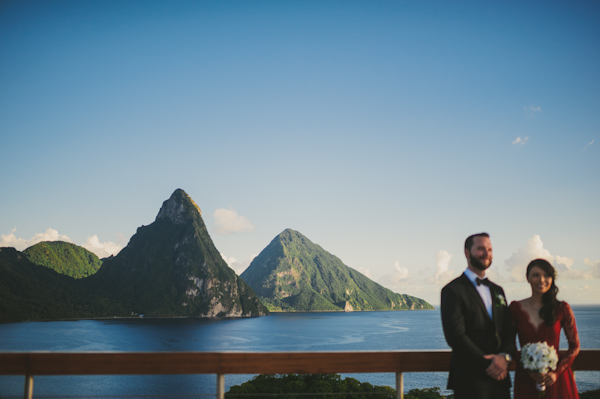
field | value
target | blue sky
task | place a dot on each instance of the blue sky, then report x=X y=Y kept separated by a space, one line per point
x=384 y=131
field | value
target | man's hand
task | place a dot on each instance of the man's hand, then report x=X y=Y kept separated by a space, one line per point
x=498 y=369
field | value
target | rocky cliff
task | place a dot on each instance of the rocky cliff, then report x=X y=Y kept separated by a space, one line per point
x=172 y=268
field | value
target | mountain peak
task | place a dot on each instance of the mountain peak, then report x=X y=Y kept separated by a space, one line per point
x=293 y=273
x=178 y=208
x=289 y=234
x=172 y=268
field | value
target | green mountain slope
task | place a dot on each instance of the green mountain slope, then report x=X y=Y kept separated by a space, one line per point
x=64 y=258
x=172 y=268
x=33 y=292
x=292 y=273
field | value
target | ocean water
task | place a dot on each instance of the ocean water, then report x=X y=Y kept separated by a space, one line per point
x=335 y=331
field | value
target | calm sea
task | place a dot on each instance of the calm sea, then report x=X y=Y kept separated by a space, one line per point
x=358 y=331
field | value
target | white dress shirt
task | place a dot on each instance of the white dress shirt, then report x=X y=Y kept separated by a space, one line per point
x=484 y=291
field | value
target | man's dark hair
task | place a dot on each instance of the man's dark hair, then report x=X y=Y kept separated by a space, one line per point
x=470 y=239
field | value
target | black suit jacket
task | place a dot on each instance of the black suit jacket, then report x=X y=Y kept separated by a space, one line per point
x=471 y=334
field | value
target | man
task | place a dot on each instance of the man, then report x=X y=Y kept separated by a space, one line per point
x=478 y=328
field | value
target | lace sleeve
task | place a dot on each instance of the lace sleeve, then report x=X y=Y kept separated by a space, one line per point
x=568 y=324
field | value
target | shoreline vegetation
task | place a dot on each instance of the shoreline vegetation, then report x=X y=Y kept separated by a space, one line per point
x=321 y=386
x=143 y=317
x=332 y=386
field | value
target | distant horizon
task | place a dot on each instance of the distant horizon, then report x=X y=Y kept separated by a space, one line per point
x=435 y=305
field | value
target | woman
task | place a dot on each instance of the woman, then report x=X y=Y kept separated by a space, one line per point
x=539 y=318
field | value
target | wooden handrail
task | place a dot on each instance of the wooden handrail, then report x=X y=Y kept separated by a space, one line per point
x=125 y=363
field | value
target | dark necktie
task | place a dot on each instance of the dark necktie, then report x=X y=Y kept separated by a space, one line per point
x=484 y=281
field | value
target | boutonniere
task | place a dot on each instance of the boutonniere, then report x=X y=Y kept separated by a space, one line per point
x=500 y=300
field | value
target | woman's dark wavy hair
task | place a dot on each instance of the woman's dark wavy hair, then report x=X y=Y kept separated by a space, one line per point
x=549 y=301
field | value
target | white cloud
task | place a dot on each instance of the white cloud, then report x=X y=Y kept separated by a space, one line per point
x=588 y=144
x=103 y=249
x=20 y=244
x=520 y=140
x=593 y=267
x=395 y=281
x=237 y=266
x=532 y=109
x=228 y=221
x=517 y=263
x=230 y=260
x=401 y=273
x=443 y=273
x=92 y=244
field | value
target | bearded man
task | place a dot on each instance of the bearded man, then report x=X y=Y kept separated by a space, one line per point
x=477 y=326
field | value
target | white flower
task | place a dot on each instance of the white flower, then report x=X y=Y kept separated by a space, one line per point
x=500 y=299
x=539 y=357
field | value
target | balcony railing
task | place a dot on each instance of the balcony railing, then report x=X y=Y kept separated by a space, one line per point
x=30 y=364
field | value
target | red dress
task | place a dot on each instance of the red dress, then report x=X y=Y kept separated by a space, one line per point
x=564 y=387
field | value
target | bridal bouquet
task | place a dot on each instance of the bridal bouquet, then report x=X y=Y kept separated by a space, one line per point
x=539 y=357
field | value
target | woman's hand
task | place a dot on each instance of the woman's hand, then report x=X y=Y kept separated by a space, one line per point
x=543 y=379
x=537 y=377
x=549 y=378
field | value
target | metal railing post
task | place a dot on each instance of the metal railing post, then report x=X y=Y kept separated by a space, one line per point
x=220 y=386
x=399 y=385
x=28 y=394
